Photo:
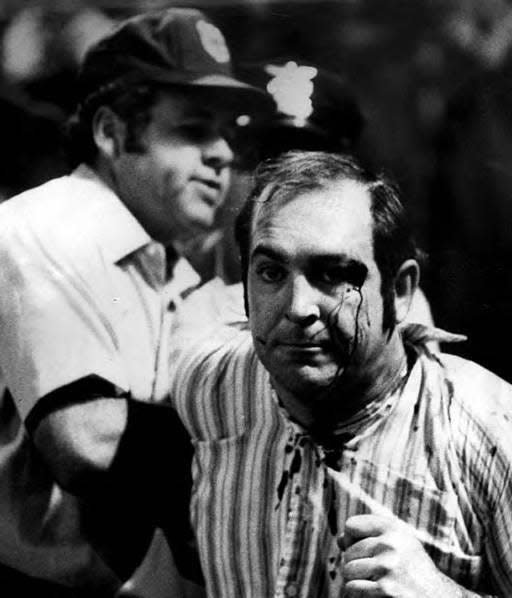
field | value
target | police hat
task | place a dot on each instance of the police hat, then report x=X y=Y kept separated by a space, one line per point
x=176 y=46
x=316 y=109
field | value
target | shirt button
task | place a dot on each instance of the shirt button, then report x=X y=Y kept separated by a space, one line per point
x=291 y=590
x=171 y=306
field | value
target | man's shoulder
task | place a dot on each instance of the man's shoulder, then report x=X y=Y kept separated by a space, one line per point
x=31 y=199
x=60 y=216
x=219 y=347
x=472 y=377
x=217 y=382
x=50 y=209
x=480 y=394
x=214 y=360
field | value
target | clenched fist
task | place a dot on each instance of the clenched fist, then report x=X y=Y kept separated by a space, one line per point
x=384 y=558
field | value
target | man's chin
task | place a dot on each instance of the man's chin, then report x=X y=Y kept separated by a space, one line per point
x=197 y=235
x=311 y=382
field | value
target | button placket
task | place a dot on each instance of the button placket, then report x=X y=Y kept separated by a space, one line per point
x=290 y=539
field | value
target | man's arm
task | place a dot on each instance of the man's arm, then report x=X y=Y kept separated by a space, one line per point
x=78 y=442
x=128 y=462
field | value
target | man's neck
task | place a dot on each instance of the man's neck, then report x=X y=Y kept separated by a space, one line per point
x=350 y=392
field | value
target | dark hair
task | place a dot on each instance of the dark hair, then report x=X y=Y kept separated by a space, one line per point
x=295 y=173
x=131 y=103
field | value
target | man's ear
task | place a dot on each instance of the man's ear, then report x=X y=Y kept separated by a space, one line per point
x=109 y=132
x=406 y=283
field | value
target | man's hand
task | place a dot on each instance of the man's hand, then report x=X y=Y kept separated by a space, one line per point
x=383 y=557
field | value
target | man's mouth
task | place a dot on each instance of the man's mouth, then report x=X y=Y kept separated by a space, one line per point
x=210 y=190
x=302 y=344
x=309 y=346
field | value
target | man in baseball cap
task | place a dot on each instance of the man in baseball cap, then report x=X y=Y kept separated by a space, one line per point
x=91 y=457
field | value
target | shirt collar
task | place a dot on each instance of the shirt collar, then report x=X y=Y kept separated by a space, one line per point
x=360 y=423
x=183 y=279
x=116 y=228
x=121 y=235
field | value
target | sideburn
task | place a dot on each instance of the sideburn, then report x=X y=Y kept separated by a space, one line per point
x=388 y=308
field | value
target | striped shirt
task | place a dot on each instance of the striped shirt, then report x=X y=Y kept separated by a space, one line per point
x=269 y=504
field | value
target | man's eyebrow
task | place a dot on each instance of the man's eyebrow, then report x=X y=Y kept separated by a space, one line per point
x=195 y=109
x=269 y=252
x=196 y=115
x=337 y=259
x=317 y=259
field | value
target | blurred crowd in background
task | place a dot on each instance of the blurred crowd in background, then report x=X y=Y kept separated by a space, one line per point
x=433 y=80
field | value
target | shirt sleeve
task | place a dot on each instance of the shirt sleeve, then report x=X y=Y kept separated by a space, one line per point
x=205 y=379
x=499 y=529
x=55 y=326
x=488 y=441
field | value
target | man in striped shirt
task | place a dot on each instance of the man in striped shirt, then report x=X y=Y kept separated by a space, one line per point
x=335 y=454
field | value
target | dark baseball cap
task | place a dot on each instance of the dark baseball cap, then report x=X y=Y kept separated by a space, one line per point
x=176 y=46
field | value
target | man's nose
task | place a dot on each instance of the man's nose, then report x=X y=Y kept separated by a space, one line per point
x=303 y=302
x=217 y=154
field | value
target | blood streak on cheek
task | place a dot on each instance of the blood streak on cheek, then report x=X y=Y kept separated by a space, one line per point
x=359 y=310
x=343 y=321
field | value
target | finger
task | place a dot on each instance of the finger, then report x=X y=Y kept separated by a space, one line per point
x=360 y=549
x=360 y=569
x=361 y=589
x=363 y=526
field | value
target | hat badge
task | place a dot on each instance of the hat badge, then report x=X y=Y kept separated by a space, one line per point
x=213 y=41
x=291 y=87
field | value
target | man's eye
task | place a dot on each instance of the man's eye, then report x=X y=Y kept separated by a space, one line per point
x=205 y=131
x=195 y=132
x=353 y=274
x=333 y=276
x=270 y=274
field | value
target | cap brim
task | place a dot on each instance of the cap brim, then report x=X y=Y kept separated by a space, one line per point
x=235 y=94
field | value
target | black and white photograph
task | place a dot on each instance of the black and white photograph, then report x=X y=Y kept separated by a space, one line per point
x=256 y=299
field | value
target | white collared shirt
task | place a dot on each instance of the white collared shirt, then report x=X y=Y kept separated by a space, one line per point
x=83 y=292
